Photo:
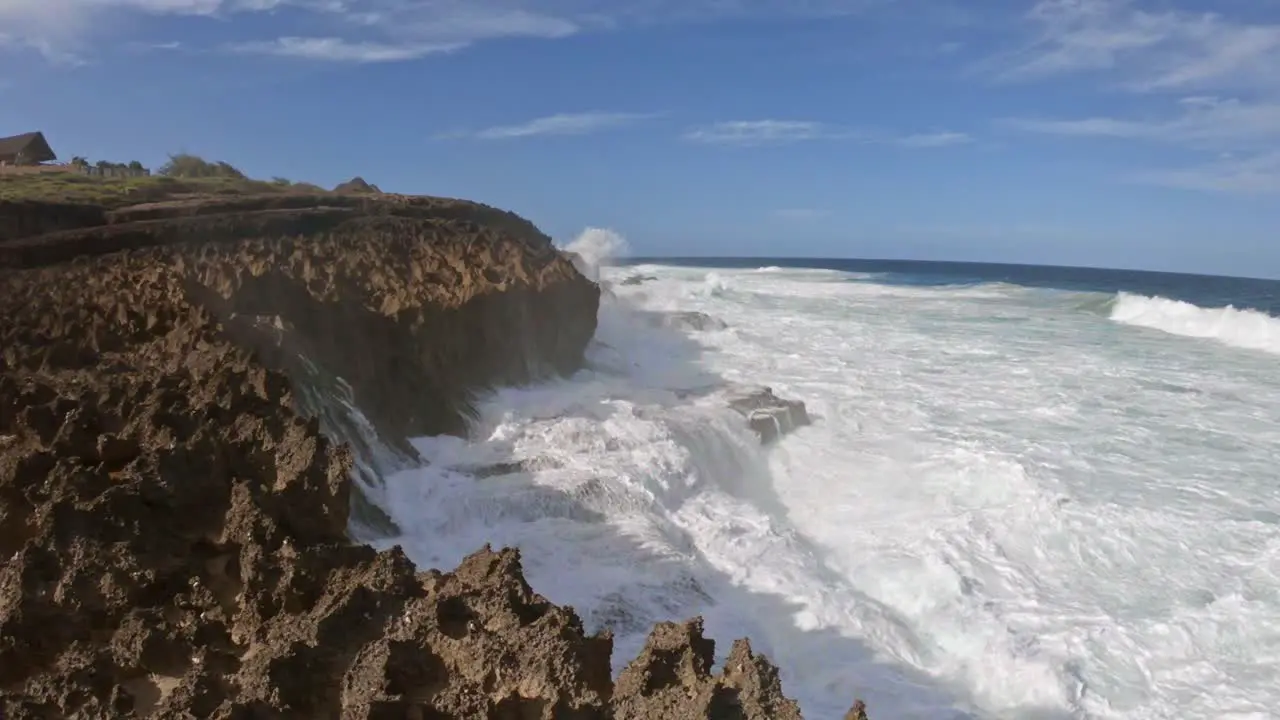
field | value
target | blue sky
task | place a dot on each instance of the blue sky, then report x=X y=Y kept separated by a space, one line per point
x=1127 y=133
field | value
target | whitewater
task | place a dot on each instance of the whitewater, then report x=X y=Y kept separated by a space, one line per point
x=1013 y=502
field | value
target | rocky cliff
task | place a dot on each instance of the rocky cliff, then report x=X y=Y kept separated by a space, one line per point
x=174 y=506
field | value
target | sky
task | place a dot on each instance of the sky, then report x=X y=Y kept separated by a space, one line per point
x=1116 y=133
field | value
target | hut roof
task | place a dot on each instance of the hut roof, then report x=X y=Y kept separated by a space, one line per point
x=31 y=144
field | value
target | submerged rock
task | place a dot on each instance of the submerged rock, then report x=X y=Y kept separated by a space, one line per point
x=637 y=279
x=511 y=467
x=688 y=320
x=769 y=416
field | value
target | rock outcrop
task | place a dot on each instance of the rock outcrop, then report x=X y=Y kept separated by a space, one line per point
x=770 y=416
x=691 y=320
x=25 y=219
x=174 y=528
x=356 y=185
x=637 y=279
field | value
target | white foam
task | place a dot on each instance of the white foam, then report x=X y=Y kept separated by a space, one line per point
x=1002 y=509
x=1249 y=329
x=714 y=284
x=593 y=247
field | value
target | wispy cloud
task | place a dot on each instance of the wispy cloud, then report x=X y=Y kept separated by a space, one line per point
x=378 y=30
x=1205 y=57
x=934 y=140
x=1256 y=174
x=754 y=133
x=1245 y=137
x=1204 y=122
x=559 y=124
x=57 y=28
x=1147 y=50
x=333 y=49
x=390 y=33
x=762 y=132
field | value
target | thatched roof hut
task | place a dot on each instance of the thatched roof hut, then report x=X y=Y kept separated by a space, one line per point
x=25 y=149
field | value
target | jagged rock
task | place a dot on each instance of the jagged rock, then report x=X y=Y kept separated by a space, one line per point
x=637 y=279
x=175 y=530
x=857 y=712
x=684 y=319
x=511 y=467
x=672 y=678
x=694 y=320
x=356 y=185
x=770 y=416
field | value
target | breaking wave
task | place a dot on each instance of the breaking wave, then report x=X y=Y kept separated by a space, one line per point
x=1240 y=328
x=1005 y=508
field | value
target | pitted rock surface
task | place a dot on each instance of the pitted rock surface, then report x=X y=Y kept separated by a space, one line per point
x=174 y=531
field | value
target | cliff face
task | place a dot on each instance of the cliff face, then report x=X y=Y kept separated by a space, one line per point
x=174 y=528
x=26 y=219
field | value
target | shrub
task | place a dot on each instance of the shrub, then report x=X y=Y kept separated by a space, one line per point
x=184 y=165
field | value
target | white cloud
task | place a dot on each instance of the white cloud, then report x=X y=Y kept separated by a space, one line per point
x=934 y=140
x=761 y=132
x=1205 y=122
x=378 y=30
x=388 y=33
x=57 y=29
x=1245 y=137
x=559 y=124
x=1147 y=50
x=752 y=133
x=338 y=50
x=1251 y=175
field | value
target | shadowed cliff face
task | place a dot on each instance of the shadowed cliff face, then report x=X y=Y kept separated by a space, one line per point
x=25 y=219
x=174 y=518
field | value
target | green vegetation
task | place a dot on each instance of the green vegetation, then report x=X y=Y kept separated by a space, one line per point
x=184 y=165
x=81 y=162
x=184 y=176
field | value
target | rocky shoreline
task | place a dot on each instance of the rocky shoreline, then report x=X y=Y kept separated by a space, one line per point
x=174 y=523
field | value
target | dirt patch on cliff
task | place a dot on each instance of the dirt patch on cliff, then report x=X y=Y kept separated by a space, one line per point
x=175 y=531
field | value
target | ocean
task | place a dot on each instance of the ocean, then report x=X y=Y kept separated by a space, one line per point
x=1027 y=492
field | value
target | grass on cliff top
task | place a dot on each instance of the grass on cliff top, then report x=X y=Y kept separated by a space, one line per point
x=182 y=177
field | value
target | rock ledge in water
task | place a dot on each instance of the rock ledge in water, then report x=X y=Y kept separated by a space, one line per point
x=770 y=416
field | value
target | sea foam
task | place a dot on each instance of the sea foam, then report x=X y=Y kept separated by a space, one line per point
x=1002 y=510
x=1249 y=329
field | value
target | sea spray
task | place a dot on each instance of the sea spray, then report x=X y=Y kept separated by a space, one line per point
x=593 y=247
x=1002 y=512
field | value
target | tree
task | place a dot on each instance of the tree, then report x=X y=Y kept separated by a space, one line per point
x=135 y=165
x=184 y=165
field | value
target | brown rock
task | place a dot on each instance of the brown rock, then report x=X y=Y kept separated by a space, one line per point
x=769 y=416
x=672 y=678
x=174 y=525
x=356 y=185
x=857 y=712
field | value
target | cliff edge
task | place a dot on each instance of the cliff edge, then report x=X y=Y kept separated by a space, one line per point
x=175 y=504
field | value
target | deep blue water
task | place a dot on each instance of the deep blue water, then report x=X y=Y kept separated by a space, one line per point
x=1202 y=290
